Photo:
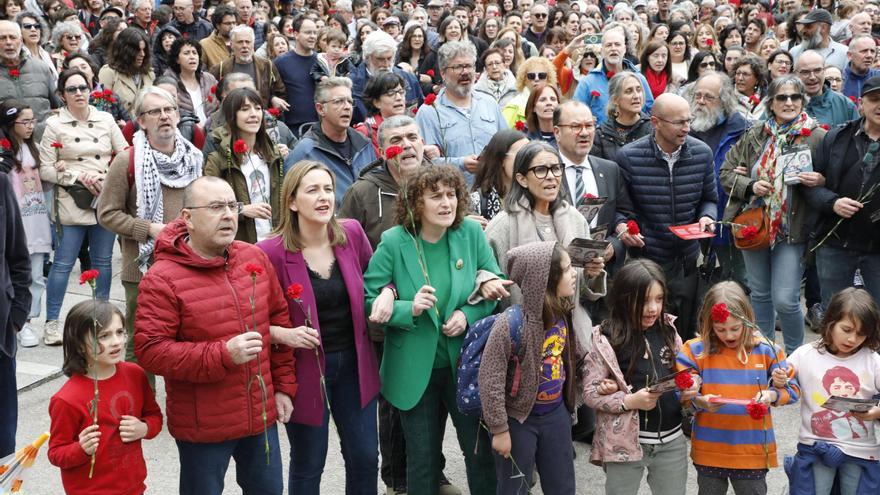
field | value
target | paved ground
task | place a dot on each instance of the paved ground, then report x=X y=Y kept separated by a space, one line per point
x=39 y=379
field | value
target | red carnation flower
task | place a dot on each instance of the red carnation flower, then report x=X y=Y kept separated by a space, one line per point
x=430 y=72
x=5 y=144
x=589 y=196
x=632 y=228
x=97 y=94
x=294 y=291
x=594 y=93
x=806 y=132
x=240 y=147
x=611 y=74
x=609 y=7
x=213 y=89
x=254 y=269
x=854 y=99
x=88 y=276
x=683 y=380
x=107 y=94
x=393 y=151
x=14 y=73
x=429 y=100
x=748 y=233
x=757 y=410
x=275 y=112
x=825 y=126
x=57 y=145
x=720 y=314
x=754 y=99
x=710 y=42
x=520 y=125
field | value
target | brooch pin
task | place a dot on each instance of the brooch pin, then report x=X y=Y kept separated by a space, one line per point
x=459 y=264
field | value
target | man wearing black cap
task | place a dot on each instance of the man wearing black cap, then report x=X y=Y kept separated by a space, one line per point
x=816 y=36
x=848 y=159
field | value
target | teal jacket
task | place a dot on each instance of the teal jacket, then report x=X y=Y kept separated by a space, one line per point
x=411 y=343
x=831 y=108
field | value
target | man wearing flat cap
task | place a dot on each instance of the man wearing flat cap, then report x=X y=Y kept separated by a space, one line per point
x=816 y=36
x=848 y=158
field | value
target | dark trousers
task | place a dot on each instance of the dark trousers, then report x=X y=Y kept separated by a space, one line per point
x=711 y=485
x=131 y=295
x=358 y=437
x=424 y=441
x=9 y=399
x=682 y=278
x=203 y=465
x=812 y=289
x=543 y=442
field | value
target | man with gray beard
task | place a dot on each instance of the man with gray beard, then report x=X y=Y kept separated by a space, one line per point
x=816 y=36
x=717 y=123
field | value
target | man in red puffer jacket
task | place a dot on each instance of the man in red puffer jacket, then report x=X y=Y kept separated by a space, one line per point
x=196 y=329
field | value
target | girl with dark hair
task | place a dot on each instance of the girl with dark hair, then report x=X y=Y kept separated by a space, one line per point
x=750 y=80
x=102 y=99
x=384 y=97
x=489 y=30
x=193 y=84
x=94 y=352
x=779 y=63
x=495 y=172
x=20 y=159
x=730 y=36
x=630 y=350
x=251 y=164
x=703 y=62
x=101 y=43
x=414 y=55
x=656 y=66
x=129 y=68
x=364 y=29
x=679 y=54
x=163 y=40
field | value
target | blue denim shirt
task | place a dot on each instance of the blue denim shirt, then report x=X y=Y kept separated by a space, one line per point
x=460 y=132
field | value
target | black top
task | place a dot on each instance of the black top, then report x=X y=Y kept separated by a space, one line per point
x=334 y=310
x=344 y=149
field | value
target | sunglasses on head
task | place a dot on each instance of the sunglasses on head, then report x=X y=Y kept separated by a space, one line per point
x=531 y=76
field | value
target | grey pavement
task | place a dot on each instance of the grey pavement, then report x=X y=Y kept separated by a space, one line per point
x=39 y=378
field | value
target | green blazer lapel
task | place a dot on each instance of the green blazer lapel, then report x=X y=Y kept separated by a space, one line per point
x=457 y=247
x=413 y=267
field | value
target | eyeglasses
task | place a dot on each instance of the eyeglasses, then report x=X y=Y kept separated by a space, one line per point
x=532 y=76
x=461 y=67
x=794 y=97
x=391 y=93
x=220 y=208
x=781 y=62
x=339 y=102
x=578 y=127
x=73 y=37
x=744 y=74
x=26 y=123
x=833 y=79
x=159 y=111
x=539 y=15
x=541 y=171
x=810 y=72
x=30 y=26
x=493 y=64
x=71 y=90
x=676 y=123
x=705 y=97
x=710 y=63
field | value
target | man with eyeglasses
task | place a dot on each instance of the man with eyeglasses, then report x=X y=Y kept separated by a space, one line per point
x=671 y=181
x=215 y=48
x=816 y=36
x=461 y=121
x=538 y=28
x=862 y=52
x=189 y=330
x=718 y=124
x=826 y=106
x=137 y=202
x=26 y=78
x=185 y=21
x=379 y=50
x=332 y=141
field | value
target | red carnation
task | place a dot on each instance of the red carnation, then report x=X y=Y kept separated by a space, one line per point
x=853 y=98
x=520 y=125
x=14 y=73
x=754 y=99
x=611 y=74
x=430 y=72
x=107 y=94
x=632 y=228
x=294 y=291
x=683 y=380
x=213 y=89
x=240 y=147
x=825 y=126
x=757 y=410
x=275 y=112
x=609 y=7
x=594 y=93
x=57 y=145
x=254 y=269
x=393 y=151
x=748 y=233
x=97 y=94
x=806 y=132
x=5 y=144
x=589 y=196
x=720 y=314
x=429 y=100
x=710 y=42
x=88 y=276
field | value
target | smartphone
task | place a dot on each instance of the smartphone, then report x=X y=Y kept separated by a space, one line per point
x=592 y=39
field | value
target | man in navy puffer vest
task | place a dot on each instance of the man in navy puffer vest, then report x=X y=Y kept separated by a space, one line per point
x=671 y=181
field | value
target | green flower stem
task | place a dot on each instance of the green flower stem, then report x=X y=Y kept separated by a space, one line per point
x=263 y=394
x=94 y=404
x=864 y=199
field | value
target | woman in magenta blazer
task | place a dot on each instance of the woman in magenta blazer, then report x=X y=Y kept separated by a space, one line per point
x=327 y=258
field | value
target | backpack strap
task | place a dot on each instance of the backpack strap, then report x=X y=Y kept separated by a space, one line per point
x=514 y=325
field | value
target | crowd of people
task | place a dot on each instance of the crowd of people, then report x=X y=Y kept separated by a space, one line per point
x=546 y=221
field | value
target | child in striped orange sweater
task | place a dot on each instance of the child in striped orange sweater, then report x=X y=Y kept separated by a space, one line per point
x=732 y=438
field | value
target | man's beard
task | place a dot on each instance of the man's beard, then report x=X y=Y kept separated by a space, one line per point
x=812 y=42
x=705 y=118
x=458 y=90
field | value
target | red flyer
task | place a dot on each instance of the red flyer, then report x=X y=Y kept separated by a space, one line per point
x=690 y=232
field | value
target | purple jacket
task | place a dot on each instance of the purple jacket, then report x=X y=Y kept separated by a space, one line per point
x=353 y=258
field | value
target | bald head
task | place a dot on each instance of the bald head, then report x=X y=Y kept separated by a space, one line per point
x=860 y=24
x=671 y=118
x=669 y=103
x=810 y=68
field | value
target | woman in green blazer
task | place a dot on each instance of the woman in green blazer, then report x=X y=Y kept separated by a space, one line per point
x=425 y=329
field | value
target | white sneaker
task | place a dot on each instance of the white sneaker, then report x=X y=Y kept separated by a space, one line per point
x=27 y=337
x=51 y=333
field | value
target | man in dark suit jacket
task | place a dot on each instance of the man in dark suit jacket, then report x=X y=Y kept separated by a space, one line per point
x=575 y=128
x=15 y=304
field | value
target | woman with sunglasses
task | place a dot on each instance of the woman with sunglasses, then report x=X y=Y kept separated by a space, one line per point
x=32 y=37
x=75 y=152
x=754 y=176
x=534 y=72
x=67 y=37
x=104 y=100
x=625 y=122
x=702 y=63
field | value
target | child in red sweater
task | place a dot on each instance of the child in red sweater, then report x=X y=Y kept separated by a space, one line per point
x=127 y=408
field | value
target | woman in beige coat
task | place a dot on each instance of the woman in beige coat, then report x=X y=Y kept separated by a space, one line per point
x=128 y=70
x=75 y=152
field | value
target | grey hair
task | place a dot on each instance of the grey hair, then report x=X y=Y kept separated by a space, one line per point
x=727 y=95
x=234 y=77
x=628 y=40
x=44 y=28
x=378 y=42
x=777 y=84
x=851 y=42
x=392 y=123
x=615 y=85
x=152 y=90
x=61 y=30
x=344 y=5
x=452 y=49
x=14 y=26
x=623 y=8
x=328 y=84
x=241 y=28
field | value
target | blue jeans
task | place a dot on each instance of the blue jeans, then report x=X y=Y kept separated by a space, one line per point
x=358 y=434
x=775 y=280
x=837 y=266
x=38 y=283
x=848 y=475
x=101 y=243
x=9 y=399
x=203 y=465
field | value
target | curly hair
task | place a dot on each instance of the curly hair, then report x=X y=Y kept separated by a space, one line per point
x=535 y=64
x=63 y=29
x=174 y=55
x=758 y=67
x=415 y=189
x=125 y=51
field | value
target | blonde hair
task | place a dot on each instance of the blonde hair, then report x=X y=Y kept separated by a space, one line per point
x=533 y=64
x=734 y=297
x=288 y=224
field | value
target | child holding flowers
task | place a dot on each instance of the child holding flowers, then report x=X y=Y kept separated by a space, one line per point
x=843 y=363
x=127 y=408
x=732 y=438
x=637 y=428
